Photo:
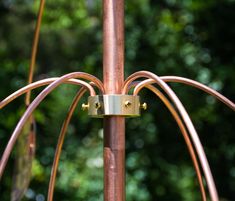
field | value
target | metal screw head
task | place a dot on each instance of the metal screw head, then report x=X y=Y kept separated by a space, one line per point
x=85 y=106
x=127 y=103
x=144 y=106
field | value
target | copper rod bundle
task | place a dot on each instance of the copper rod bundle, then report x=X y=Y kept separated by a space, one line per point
x=184 y=133
x=146 y=84
x=195 y=84
x=198 y=146
x=47 y=81
x=30 y=110
x=114 y=126
x=190 y=82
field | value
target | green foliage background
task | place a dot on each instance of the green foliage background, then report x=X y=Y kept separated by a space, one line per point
x=193 y=39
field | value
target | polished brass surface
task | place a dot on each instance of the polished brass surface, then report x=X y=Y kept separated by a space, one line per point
x=85 y=106
x=144 y=106
x=113 y=105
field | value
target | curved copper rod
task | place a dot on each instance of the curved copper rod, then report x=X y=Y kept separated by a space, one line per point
x=34 y=49
x=40 y=83
x=201 y=86
x=60 y=143
x=198 y=85
x=30 y=110
x=195 y=84
x=183 y=131
x=198 y=146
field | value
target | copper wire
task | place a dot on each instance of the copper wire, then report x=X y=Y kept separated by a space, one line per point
x=183 y=131
x=198 y=85
x=60 y=143
x=38 y=84
x=198 y=146
x=30 y=110
x=34 y=49
x=193 y=83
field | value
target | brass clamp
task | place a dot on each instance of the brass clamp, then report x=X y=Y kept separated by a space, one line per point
x=114 y=105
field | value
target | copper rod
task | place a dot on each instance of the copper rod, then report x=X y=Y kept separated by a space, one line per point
x=183 y=131
x=201 y=86
x=34 y=49
x=60 y=143
x=29 y=112
x=113 y=45
x=113 y=78
x=195 y=84
x=198 y=146
x=198 y=85
x=38 y=84
x=25 y=161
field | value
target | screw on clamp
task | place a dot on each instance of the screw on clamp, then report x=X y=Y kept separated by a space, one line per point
x=85 y=106
x=113 y=105
x=144 y=106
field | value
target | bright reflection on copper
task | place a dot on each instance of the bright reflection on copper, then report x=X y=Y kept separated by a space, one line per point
x=30 y=110
x=198 y=146
x=61 y=141
x=183 y=131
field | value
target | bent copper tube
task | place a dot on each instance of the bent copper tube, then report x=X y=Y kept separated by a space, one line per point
x=182 y=129
x=43 y=82
x=198 y=85
x=60 y=143
x=30 y=110
x=195 y=84
x=198 y=146
x=38 y=84
x=34 y=49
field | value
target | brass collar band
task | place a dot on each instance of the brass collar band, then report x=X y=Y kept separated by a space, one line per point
x=113 y=105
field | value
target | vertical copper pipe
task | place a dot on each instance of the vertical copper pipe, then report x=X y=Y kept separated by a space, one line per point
x=113 y=76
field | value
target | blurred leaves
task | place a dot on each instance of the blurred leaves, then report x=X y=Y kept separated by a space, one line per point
x=193 y=39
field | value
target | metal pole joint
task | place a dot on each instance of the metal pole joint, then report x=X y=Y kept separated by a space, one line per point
x=114 y=105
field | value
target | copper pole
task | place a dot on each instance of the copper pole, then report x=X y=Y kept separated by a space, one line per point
x=113 y=78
